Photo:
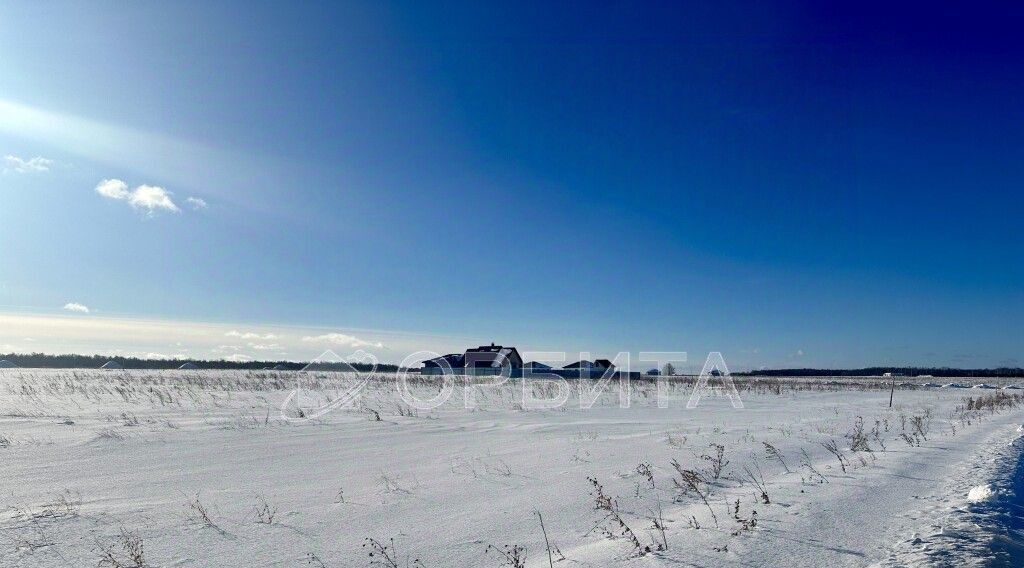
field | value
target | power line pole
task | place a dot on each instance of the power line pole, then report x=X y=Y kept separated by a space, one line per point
x=892 y=390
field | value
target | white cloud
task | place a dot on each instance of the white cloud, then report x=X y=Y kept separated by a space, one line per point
x=265 y=346
x=72 y=332
x=32 y=165
x=226 y=348
x=343 y=340
x=152 y=198
x=196 y=203
x=76 y=307
x=113 y=188
x=251 y=335
x=238 y=357
x=149 y=197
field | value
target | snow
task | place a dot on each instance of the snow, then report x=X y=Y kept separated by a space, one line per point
x=89 y=453
x=981 y=493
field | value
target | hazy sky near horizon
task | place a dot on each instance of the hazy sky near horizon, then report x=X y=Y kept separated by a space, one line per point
x=789 y=183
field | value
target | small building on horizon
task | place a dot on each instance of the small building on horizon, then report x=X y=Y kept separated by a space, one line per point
x=482 y=360
x=501 y=360
x=112 y=366
x=488 y=359
x=444 y=364
x=188 y=366
x=602 y=364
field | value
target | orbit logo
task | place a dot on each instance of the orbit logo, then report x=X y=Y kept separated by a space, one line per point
x=302 y=404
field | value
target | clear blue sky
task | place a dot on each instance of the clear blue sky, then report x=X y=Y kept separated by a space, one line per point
x=790 y=184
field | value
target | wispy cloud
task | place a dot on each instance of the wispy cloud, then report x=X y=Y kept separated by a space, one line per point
x=21 y=166
x=251 y=335
x=342 y=340
x=196 y=203
x=176 y=162
x=149 y=197
x=76 y=307
x=74 y=332
x=226 y=348
x=265 y=346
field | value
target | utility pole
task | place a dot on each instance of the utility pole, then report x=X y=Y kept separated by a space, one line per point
x=892 y=390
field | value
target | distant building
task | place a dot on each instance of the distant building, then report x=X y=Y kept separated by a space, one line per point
x=497 y=359
x=279 y=367
x=453 y=363
x=189 y=366
x=653 y=373
x=592 y=369
x=112 y=366
x=491 y=358
x=483 y=360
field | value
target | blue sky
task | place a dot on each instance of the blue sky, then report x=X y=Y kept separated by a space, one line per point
x=789 y=184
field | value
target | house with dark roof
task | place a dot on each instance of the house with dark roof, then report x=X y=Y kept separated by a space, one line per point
x=592 y=369
x=491 y=358
x=583 y=365
x=500 y=360
x=483 y=360
x=453 y=363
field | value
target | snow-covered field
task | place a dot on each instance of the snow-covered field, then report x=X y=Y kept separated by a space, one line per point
x=130 y=468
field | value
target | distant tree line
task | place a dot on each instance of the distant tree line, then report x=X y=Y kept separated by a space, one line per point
x=878 y=371
x=45 y=361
